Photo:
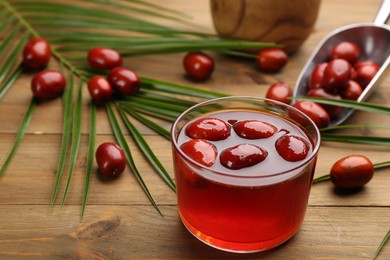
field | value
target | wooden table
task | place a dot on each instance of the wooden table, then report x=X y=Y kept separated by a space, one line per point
x=120 y=223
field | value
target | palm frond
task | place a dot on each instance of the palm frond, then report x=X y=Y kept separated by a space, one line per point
x=164 y=98
x=12 y=59
x=11 y=36
x=81 y=25
x=87 y=17
x=147 y=151
x=152 y=125
x=19 y=137
x=377 y=166
x=168 y=115
x=173 y=88
x=10 y=81
x=356 y=139
x=138 y=7
x=76 y=135
x=155 y=103
x=354 y=126
x=363 y=106
x=158 y=7
x=122 y=142
x=90 y=156
x=66 y=133
x=383 y=242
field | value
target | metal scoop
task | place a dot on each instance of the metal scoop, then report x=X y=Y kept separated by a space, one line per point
x=374 y=41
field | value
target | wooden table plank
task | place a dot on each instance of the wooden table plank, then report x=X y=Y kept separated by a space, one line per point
x=39 y=176
x=138 y=232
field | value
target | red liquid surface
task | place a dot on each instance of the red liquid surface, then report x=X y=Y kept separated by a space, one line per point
x=250 y=209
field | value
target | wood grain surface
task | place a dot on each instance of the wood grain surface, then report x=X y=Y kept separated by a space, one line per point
x=120 y=223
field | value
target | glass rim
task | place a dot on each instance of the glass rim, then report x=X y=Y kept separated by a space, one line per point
x=305 y=161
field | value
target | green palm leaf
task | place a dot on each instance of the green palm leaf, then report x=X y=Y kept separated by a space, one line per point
x=19 y=137
x=165 y=114
x=10 y=81
x=384 y=240
x=11 y=60
x=66 y=132
x=152 y=125
x=377 y=166
x=11 y=36
x=70 y=29
x=173 y=88
x=356 y=139
x=76 y=135
x=358 y=126
x=122 y=142
x=158 y=7
x=164 y=98
x=156 y=104
x=90 y=157
x=364 y=106
x=153 y=12
x=142 y=144
x=6 y=21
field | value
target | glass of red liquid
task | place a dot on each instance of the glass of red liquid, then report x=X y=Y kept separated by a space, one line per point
x=243 y=170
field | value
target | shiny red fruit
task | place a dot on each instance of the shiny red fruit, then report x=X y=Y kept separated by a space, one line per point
x=333 y=111
x=353 y=171
x=336 y=75
x=125 y=81
x=200 y=151
x=315 y=112
x=254 y=129
x=353 y=73
x=199 y=66
x=232 y=121
x=352 y=91
x=104 y=58
x=48 y=84
x=364 y=63
x=271 y=59
x=292 y=148
x=317 y=76
x=365 y=73
x=100 y=89
x=111 y=159
x=36 y=54
x=348 y=51
x=212 y=129
x=242 y=156
x=280 y=91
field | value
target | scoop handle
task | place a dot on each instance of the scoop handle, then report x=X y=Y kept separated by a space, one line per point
x=383 y=13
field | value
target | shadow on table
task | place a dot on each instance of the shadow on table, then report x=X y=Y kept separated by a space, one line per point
x=199 y=250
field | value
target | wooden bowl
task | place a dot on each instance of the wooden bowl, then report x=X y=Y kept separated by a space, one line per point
x=287 y=22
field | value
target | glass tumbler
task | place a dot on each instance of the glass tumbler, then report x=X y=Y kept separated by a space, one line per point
x=253 y=208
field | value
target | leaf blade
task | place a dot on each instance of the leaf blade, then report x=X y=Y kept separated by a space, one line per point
x=12 y=58
x=386 y=237
x=156 y=112
x=20 y=135
x=364 y=106
x=155 y=127
x=122 y=142
x=76 y=137
x=173 y=88
x=90 y=157
x=147 y=151
x=10 y=81
x=355 y=139
x=66 y=132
